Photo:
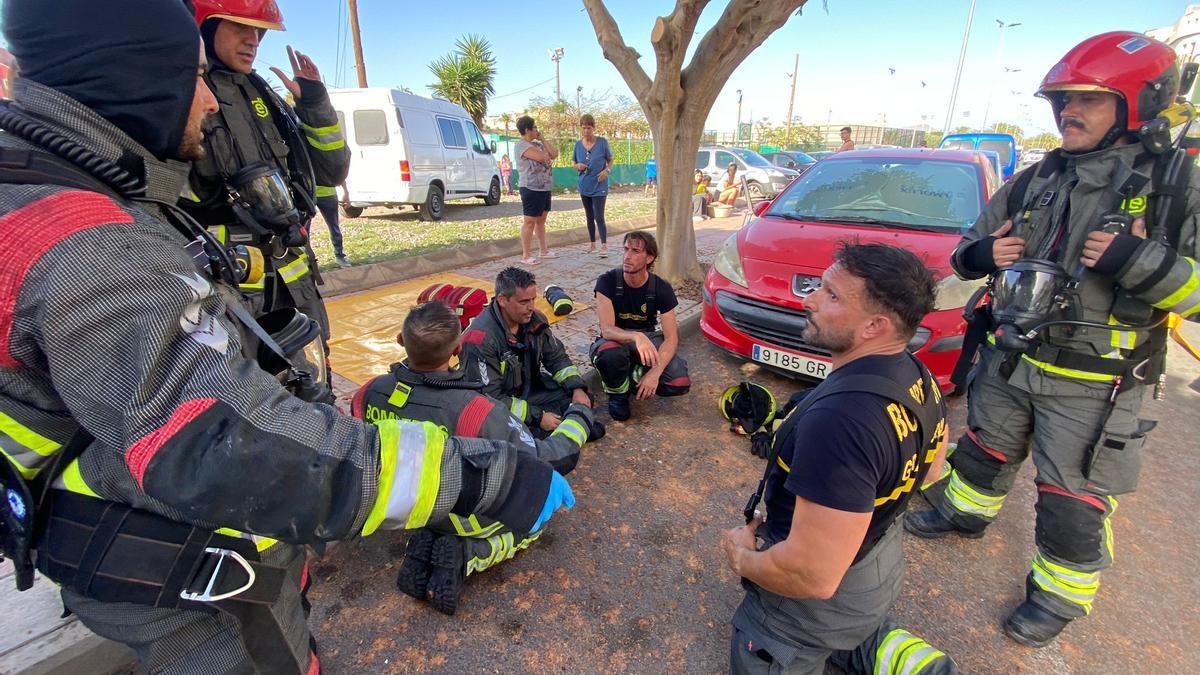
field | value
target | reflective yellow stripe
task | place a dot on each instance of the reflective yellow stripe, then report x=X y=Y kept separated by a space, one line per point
x=389 y=447
x=1065 y=372
x=573 y=430
x=399 y=396
x=73 y=480
x=569 y=371
x=189 y=194
x=902 y=653
x=26 y=473
x=294 y=270
x=256 y=286
x=334 y=128
x=260 y=543
x=1185 y=290
x=782 y=465
x=431 y=478
x=623 y=388
x=967 y=499
x=1108 y=535
x=1076 y=587
x=221 y=232
x=1121 y=339
x=27 y=437
x=326 y=191
x=519 y=408
x=324 y=138
x=325 y=147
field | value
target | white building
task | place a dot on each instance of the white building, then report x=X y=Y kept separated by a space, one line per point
x=1184 y=36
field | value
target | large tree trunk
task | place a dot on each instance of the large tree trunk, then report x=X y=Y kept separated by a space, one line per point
x=678 y=100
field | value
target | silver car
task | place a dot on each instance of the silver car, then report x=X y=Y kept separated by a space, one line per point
x=763 y=179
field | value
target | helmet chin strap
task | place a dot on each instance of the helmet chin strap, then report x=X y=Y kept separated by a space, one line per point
x=1118 y=130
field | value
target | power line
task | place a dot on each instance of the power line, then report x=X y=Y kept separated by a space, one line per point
x=524 y=90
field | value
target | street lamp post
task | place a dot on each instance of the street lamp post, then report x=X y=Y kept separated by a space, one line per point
x=737 y=129
x=962 y=54
x=1000 y=63
x=556 y=55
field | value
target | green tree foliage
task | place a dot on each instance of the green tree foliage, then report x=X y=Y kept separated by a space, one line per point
x=1046 y=141
x=795 y=137
x=1007 y=128
x=933 y=138
x=466 y=75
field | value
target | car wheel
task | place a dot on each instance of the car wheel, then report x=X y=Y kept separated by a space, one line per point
x=434 y=204
x=493 y=195
x=755 y=189
x=352 y=211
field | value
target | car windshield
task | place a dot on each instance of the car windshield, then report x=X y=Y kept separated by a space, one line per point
x=800 y=157
x=917 y=193
x=749 y=157
x=1002 y=148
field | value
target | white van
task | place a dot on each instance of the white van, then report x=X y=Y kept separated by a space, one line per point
x=407 y=149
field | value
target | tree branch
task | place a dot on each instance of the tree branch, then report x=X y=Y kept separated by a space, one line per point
x=616 y=51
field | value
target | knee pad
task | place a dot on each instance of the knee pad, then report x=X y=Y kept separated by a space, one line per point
x=674 y=387
x=1069 y=527
x=611 y=357
x=975 y=464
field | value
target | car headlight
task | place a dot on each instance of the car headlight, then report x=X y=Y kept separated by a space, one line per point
x=729 y=262
x=955 y=293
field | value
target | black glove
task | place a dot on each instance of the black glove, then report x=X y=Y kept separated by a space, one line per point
x=760 y=444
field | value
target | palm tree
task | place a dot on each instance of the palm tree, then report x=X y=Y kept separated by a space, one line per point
x=466 y=75
x=506 y=119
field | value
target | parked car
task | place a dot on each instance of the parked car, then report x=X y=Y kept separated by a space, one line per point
x=1032 y=156
x=790 y=159
x=763 y=179
x=1004 y=145
x=822 y=154
x=408 y=149
x=922 y=200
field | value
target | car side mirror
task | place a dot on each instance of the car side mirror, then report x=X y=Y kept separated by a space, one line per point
x=791 y=165
x=761 y=207
x=493 y=147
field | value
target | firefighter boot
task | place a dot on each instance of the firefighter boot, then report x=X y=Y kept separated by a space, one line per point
x=933 y=525
x=618 y=407
x=1032 y=625
x=413 y=579
x=597 y=432
x=449 y=573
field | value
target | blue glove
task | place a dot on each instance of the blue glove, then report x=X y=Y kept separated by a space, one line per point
x=560 y=495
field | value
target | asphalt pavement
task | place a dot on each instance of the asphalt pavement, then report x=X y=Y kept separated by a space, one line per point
x=633 y=580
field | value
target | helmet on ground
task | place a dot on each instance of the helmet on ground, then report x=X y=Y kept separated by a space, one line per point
x=748 y=407
x=258 y=13
x=1140 y=70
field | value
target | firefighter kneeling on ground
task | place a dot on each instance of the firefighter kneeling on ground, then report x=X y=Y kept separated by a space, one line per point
x=424 y=388
x=512 y=352
x=177 y=481
x=1104 y=232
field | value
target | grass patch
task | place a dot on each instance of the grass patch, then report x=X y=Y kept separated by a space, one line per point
x=386 y=234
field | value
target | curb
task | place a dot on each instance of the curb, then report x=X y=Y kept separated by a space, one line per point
x=362 y=277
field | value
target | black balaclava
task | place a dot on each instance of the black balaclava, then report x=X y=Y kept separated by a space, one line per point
x=133 y=62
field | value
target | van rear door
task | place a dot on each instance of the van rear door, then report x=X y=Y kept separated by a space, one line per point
x=376 y=153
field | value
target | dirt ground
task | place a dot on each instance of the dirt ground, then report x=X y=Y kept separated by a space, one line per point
x=632 y=579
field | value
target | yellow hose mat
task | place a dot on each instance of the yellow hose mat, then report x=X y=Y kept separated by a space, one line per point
x=364 y=325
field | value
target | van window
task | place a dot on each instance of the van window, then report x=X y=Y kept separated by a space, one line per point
x=370 y=127
x=452 y=133
x=702 y=159
x=1002 y=148
x=724 y=159
x=958 y=144
x=420 y=128
x=478 y=144
x=399 y=118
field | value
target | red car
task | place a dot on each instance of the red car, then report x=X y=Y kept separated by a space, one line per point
x=922 y=200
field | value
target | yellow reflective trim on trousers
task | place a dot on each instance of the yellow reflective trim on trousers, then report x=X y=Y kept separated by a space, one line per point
x=260 y=543
x=889 y=650
x=72 y=479
x=519 y=408
x=431 y=480
x=472 y=527
x=1076 y=587
x=389 y=446
x=293 y=270
x=565 y=373
x=1108 y=535
x=1065 y=372
x=1183 y=291
x=967 y=499
x=502 y=547
x=622 y=389
x=325 y=191
x=573 y=430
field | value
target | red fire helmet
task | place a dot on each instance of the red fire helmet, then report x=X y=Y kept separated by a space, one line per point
x=258 y=13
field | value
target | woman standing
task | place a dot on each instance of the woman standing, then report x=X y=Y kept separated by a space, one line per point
x=535 y=180
x=506 y=174
x=593 y=161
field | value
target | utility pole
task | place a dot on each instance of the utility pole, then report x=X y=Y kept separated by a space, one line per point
x=556 y=55
x=1002 y=69
x=737 y=129
x=792 y=101
x=962 y=55
x=359 y=66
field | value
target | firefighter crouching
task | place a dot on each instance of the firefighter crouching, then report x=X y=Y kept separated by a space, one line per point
x=1088 y=251
x=424 y=388
x=164 y=479
x=263 y=160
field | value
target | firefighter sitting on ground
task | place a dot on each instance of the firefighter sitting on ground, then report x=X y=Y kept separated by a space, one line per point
x=510 y=349
x=424 y=388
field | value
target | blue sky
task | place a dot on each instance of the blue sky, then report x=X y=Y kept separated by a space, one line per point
x=845 y=53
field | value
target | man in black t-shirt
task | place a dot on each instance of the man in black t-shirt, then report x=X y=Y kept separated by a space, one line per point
x=630 y=354
x=824 y=570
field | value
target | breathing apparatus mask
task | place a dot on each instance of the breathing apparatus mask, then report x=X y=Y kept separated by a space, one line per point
x=263 y=201
x=1023 y=297
x=301 y=365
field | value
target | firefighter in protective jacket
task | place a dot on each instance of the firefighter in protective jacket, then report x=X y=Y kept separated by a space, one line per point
x=185 y=479
x=513 y=353
x=425 y=389
x=255 y=132
x=1104 y=210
